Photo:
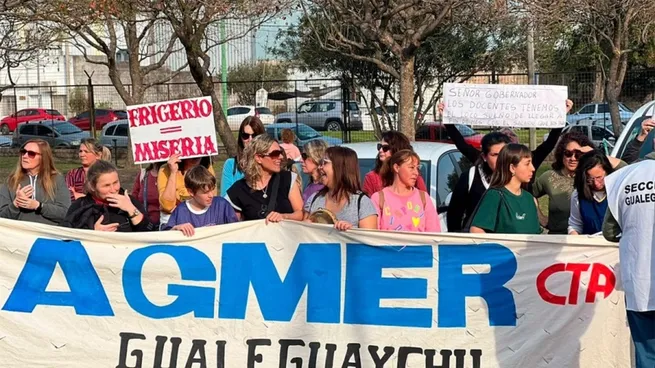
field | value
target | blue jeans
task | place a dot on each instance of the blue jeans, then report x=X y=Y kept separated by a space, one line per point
x=642 y=328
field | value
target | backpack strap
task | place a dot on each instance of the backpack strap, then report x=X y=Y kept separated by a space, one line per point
x=359 y=203
x=381 y=200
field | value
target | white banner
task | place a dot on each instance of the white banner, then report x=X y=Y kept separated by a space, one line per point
x=505 y=105
x=161 y=129
x=301 y=295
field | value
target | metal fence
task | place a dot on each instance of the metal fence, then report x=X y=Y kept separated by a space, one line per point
x=327 y=107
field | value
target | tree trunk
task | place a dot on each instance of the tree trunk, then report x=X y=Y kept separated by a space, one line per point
x=406 y=108
x=612 y=91
x=206 y=85
x=599 y=85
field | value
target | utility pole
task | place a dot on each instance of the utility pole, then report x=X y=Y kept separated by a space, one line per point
x=531 y=76
x=224 y=91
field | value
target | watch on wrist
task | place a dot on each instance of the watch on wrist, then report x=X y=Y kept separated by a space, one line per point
x=135 y=213
x=39 y=208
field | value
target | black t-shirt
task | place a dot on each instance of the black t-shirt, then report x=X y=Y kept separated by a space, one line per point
x=252 y=204
x=464 y=201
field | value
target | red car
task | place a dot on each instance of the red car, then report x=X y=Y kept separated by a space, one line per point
x=9 y=123
x=103 y=117
x=436 y=132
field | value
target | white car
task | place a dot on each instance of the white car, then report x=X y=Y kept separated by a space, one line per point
x=441 y=166
x=631 y=130
x=236 y=115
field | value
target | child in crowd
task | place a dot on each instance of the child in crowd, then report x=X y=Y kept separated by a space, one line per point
x=288 y=144
x=204 y=208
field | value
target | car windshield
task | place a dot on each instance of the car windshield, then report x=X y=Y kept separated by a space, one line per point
x=304 y=132
x=66 y=128
x=625 y=108
x=264 y=110
x=52 y=112
x=121 y=114
x=465 y=130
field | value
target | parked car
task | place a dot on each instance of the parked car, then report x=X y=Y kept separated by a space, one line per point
x=441 y=166
x=103 y=117
x=436 y=132
x=5 y=142
x=57 y=133
x=598 y=112
x=9 y=123
x=118 y=131
x=324 y=115
x=236 y=114
x=602 y=136
x=392 y=113
x=631 y=130
x=304 y=134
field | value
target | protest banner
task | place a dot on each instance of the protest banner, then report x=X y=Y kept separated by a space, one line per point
x=505 y=105
x=302 y=295
x=161 y=129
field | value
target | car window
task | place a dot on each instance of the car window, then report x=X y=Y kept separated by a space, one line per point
x=423 y=132
x=352 y=106
x=232 y=111
x=21 y=113
x=66 y=128
x=603 y=109
x=271 y=132
x=445 y=172
x=52 y=112
x=110 y=130
x=33 y=112
x=304 y=132
x=325 y=106
x=306 y=107
x=589 y=109
x=121 y=130
x=465 y=130
x=84 y=115
x=102 y=112
x=264 y=110
x=43 y=131
x=121 y=114
x=26 y=129
x=624 y=108
x=365 y=165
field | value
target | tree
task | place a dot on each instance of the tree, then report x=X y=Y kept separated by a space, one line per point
x=392 y=31
x=197 y=25
x=245 y=79
x=616 y=29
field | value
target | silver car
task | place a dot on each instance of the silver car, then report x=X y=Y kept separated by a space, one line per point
x=57 y=133
x=324 y=115
x=115 y=134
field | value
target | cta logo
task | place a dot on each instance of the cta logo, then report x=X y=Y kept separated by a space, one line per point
x=601 y=281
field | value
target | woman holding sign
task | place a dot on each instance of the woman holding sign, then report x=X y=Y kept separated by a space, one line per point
x=507 y=207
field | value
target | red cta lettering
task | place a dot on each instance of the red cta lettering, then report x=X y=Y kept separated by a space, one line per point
x=577 y=269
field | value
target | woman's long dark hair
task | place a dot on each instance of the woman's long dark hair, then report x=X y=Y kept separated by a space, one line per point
x=565 y=139
x=397 y=141
x=587 y=162
x=257 y=128
x=489 y=140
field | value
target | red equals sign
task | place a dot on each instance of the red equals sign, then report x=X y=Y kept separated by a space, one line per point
x=174 y=129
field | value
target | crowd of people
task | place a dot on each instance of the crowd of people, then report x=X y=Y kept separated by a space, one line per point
x=497 y=195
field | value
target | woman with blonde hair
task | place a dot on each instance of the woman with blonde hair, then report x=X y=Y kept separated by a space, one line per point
x=35 y=191
x=250 y=128
x=313 y=152
x=400 y=206
x=90 y=151
x=266 y=191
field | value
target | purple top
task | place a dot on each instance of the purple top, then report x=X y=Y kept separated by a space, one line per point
x=218 y=213
x=311 y=189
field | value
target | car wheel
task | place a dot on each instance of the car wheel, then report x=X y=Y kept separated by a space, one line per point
x=333 y=126
x=4 y=129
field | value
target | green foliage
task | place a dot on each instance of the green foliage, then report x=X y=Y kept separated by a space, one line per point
x=78 y=101
x=244 y=80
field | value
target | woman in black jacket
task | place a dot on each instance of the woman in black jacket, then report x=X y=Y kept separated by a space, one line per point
x=107 y=206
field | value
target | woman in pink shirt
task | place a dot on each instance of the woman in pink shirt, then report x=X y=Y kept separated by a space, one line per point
x=288 y=139
x=400 y=206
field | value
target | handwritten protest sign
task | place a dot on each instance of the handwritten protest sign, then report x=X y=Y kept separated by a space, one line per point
x=300 y=295
x=161 y=129
x=503 y=105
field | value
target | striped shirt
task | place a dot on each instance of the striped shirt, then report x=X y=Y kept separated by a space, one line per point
x=76 y=178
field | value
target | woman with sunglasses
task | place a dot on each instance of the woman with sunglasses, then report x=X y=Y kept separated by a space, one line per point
x=250 y=128
x=313 y=152
x=400 y=206
x=342 y=194
x=170 y=183
x=107 y=206
x=589 y=198
x=35 y=191
x=89 y=152
x=390 y=143
x=266 y=191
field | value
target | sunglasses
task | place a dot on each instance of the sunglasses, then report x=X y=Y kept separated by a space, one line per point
x=304 y=156
x=274 y=154
x=30 y=154
x=384 y=147
x=576 y=153
x=246 y=136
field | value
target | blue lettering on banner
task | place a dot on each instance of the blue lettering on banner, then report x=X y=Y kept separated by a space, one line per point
x=316 y=267
x=86 y=293
x=194 y=266
x=365 y=286
x=454 y=286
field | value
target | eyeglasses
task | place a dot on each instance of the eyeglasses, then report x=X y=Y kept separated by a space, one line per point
x=274 y=154
x=30 y=154
x=576 y=153
x=324 y=161
x=384 y=147
x=304 y=156
x=246 y=136
x=592 y=179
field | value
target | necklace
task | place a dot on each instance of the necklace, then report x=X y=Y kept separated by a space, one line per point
x=264 y=190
